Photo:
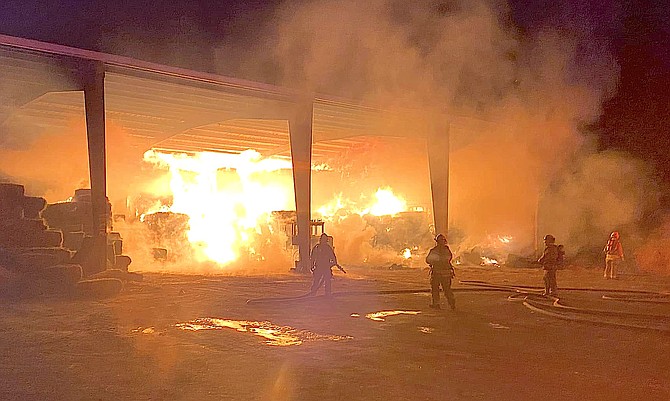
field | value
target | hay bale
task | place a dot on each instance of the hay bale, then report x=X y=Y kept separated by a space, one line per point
x=32 y=206
x=98 y=288
x=63 y=277
x=118 y=274
x=50 y=238
x=10 y=212
x=61 y=215
x=122 y=262
x=30 y=224
x=11 y=193
x=159 y=253
x=33 y=261
x=82 y=195
x=114 y=239
x=32 y=239
x=73 y=240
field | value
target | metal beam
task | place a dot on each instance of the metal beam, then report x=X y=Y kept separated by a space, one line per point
x=93 y=82
x=438 y=161
x=300 y=132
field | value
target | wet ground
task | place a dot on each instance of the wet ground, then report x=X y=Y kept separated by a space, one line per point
x=175 y=337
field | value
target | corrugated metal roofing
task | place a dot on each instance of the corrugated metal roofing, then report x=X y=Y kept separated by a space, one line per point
x=178 y=110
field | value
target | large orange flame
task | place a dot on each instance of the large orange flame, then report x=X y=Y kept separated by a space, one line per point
x=226 y=196
x=229 y=199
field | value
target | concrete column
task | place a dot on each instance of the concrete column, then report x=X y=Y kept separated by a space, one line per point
x=438 y=161
x=300 y=131
x=93 y=82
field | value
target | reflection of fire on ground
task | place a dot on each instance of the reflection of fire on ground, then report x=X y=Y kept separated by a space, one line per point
x=274 y=335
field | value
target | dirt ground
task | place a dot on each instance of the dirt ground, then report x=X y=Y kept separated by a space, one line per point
x=180 y=337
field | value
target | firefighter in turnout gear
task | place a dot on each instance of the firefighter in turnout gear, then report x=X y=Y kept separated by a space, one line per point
x=613 y=255
x=323 y=259
x=550 y=261
x=441 y=272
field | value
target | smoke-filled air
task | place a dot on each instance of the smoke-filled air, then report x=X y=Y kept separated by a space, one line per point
x=523 y=161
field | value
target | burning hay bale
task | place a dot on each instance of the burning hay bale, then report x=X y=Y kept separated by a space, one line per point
x=168 y=234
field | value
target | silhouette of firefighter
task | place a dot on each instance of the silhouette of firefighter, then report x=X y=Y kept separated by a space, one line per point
x=551 y=260
x=323 y=259
x=613 y=255
x=441 y=272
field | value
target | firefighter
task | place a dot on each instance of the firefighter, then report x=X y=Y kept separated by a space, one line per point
x=613 y=255
x=550 y=262
x=441 y=272
x=323 y=259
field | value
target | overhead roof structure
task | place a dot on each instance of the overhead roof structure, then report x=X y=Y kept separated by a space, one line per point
x=162 y=107
x=172 y=109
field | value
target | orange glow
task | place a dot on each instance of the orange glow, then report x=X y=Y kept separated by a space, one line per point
x=274 y=335
x=505 y=239
x=488 y=261
x=226 y=196
x=387 y=203
x=228 y=199
x=384 y=203
x=382 y=315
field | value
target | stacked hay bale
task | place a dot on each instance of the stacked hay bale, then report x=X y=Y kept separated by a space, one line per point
x=33 y=255
x=74 y=219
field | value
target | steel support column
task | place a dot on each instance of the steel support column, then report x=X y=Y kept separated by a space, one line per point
x=300 y=131
x=93 y=82
x=438 y=161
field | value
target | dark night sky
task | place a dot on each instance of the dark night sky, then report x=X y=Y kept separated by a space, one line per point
x=636 y=118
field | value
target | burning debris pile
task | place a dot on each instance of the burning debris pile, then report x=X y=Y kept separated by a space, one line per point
x=36 y=259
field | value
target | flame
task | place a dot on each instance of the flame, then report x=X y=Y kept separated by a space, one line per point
x=505 y=239
x=385 y=203
x=226 y=196
x=407 y=253
x=228 y=199
x=488 y=262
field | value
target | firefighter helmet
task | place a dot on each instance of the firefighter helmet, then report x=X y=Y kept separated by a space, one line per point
x=615 y=235
x=549 y=238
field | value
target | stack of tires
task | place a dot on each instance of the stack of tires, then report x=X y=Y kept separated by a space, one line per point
x=32 y=255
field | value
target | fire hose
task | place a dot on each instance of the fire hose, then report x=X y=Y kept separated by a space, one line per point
x=531 y=298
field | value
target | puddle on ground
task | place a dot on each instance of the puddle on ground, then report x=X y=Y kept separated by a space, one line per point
x=498 y=326
x=382 y=315
x=275 y=335
x=148 y=330
x=427 y=330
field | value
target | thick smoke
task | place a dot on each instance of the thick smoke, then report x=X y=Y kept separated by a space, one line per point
x=522 y=163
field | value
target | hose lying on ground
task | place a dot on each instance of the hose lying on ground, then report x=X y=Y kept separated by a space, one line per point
x=552 y=306
x=531 y=298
